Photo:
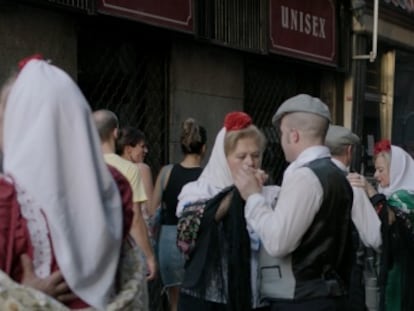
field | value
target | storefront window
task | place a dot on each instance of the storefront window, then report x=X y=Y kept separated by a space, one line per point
x=403 y=107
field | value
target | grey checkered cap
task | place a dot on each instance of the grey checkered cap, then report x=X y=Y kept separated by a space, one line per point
x=302 y=103
x=339 y=135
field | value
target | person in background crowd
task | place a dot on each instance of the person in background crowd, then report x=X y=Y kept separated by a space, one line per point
x=107 y=125
x=306 y=258
x=394 y=202
x=221 y=269
x=341 y=142
x=131 y=145
x=169 y=182
x=61 y=216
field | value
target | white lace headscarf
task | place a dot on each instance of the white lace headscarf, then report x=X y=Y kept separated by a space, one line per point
x=215 y=177
x=52 y=152
x=401 y=172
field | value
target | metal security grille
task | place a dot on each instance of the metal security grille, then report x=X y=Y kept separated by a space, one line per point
x=120 y=71
x=78 y=5
x=267 y=85
x=128 y=77
x=236 y=23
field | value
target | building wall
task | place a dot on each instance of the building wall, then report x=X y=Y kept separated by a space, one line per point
x=25 y=31
x=387 y=31
x=206 y=82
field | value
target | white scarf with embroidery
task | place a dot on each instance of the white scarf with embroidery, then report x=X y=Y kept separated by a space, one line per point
x=52 y=152
x=401 y=172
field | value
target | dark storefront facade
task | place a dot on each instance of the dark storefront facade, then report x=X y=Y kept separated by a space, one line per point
x=157 y=62
x=276 y=49
x=383 y=89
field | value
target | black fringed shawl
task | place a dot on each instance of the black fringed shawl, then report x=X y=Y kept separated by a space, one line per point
x=397 y=245
x=220 y=261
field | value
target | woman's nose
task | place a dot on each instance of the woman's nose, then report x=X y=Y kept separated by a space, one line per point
x=249 y=161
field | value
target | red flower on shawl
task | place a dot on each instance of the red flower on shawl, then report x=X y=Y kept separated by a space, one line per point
x=382 y=146
x=24 y=61
x=237 y=120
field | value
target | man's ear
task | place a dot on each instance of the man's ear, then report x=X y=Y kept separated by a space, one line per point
x=349 y=154
x=127 y=149
x=115 y=133
x=349 y=150
x=294 y=135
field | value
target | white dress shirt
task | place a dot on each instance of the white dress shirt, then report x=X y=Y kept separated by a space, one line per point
x=364 y=216
x=301 y=194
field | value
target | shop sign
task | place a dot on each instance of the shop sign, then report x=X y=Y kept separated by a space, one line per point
x=304 y=29
x=176 y=14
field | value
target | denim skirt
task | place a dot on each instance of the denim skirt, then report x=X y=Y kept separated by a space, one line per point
x=171 y=260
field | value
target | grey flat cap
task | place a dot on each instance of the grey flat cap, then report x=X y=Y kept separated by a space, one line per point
x=339 y=135
x=302 y=103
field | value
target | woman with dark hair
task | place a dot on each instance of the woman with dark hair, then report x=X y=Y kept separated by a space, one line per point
x=167 y=187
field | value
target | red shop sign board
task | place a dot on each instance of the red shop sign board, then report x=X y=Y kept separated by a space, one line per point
x=304 y=29
x=176 y=14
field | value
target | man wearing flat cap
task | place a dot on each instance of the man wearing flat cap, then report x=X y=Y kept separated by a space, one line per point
x=306 y=256
x=341 y=142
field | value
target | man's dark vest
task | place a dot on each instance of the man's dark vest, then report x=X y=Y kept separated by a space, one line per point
x=320 y=266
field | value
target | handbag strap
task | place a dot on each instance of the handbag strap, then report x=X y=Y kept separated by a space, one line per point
x=165 y=176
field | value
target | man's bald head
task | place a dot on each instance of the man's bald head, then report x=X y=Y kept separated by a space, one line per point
x=313 y=127
x=106 y=122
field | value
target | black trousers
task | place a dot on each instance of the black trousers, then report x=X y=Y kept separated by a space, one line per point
x=319 y=304
x=190 y=303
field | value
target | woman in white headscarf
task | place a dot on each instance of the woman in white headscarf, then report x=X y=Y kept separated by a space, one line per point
x=394 y=202
x=222 y=268
x=60 y=208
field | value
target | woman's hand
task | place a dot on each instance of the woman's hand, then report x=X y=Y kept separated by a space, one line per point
x=249 y=180
x=357 y=180
x=54 y=285
x=391 y=216
x=152 y=268
x=261 y=176
x=223 y=207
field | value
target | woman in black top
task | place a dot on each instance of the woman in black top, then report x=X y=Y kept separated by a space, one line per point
x=167 y=187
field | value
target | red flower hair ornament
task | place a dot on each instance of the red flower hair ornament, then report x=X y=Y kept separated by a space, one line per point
x=382 y=146
x=24 y=61
x=237 y=120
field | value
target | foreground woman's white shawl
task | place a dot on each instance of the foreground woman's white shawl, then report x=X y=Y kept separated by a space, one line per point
x=52 y=151
x=401 y=172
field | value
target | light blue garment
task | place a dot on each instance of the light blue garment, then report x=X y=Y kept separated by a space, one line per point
x=171 y=260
